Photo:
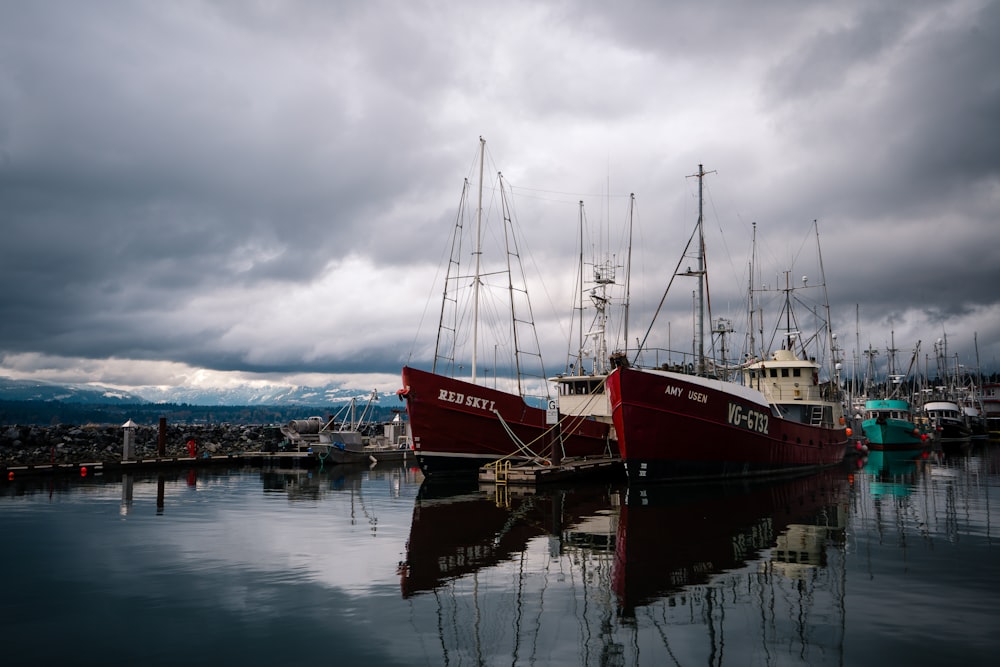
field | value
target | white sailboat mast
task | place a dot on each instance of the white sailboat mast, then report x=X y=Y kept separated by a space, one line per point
x=479 y=253
x=750 y=302
x=628 y=273
x=579 y=353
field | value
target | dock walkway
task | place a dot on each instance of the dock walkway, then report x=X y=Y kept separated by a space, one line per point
x=153 y=463
x=531 y=473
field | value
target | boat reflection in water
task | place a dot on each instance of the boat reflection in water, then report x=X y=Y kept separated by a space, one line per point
x=503 y=576
x=672 y=537
x=891 y=473
x=741 y=573
x=603 y=574
x=461 y=528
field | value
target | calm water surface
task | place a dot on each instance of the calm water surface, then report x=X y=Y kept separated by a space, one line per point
x=891 y=560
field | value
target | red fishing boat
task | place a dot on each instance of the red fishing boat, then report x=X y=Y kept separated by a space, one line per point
x=462 y=416
x=459 y=426
x=770 y=414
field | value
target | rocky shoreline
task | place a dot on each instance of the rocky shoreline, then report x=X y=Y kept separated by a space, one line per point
x=92 y=443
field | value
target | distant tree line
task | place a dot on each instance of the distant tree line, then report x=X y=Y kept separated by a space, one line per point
x=48 y=413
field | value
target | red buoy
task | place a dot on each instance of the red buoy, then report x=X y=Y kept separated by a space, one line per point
x=83 y=471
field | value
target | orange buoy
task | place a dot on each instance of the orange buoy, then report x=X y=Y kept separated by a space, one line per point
x=10 y=475
x=849 y=431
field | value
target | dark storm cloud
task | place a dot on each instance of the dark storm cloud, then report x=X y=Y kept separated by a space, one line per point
x=267 y=186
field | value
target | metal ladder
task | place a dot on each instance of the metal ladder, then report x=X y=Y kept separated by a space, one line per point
x=816 y=419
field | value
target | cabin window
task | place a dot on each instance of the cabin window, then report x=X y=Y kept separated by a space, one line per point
x=797 y=372
x=774 y=372
x=784 y=372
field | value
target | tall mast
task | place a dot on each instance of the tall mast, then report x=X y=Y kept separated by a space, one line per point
x=479 y=253
x=579 y=349
x=700 y=324
x=892 y=353
x=750 y=305
x=628 y=269
x=835 y=359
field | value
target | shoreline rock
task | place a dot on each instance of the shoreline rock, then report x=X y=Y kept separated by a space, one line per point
x=66 y=443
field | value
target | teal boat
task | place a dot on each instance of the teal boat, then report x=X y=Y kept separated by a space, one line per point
x=888 y=425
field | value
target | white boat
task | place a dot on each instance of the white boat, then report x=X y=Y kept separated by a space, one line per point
x=348 y=437
x=582 y=387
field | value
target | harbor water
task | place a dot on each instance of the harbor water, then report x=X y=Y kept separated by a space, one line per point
x=891 y=559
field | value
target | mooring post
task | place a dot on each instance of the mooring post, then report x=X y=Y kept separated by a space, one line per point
x=161 y=445
x=128 y=449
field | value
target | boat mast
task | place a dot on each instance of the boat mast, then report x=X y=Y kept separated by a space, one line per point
x=579 y=291
x=479 y=253
x=835 y=358
x=628 y=269
x=697 y=231
x=750 y=305
x=700 y=322
x=441 y=346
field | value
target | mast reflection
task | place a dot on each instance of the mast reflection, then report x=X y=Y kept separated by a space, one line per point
x=679 y=535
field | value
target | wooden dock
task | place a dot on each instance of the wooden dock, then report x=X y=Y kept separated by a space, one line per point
x=153 y=463
x=535 y=473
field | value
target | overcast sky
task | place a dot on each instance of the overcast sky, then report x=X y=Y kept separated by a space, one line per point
x=208 y=192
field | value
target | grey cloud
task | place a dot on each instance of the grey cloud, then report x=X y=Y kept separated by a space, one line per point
x=152 y=156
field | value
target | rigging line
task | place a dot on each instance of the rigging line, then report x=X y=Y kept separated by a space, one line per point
x=521 y=446
x=449 y=242
x=600 y=195
x=806 y=238
x=659 y=307
x=722 y=234
x=537 y=273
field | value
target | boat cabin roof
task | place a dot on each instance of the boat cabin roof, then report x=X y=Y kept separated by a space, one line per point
x=887 y=405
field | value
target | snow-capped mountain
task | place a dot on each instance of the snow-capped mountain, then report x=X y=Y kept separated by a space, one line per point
x=276 y=395
x=253 y=395
x=27 y=390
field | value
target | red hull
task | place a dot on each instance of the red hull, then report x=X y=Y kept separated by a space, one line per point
x=455 y=428
x=674 y=426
